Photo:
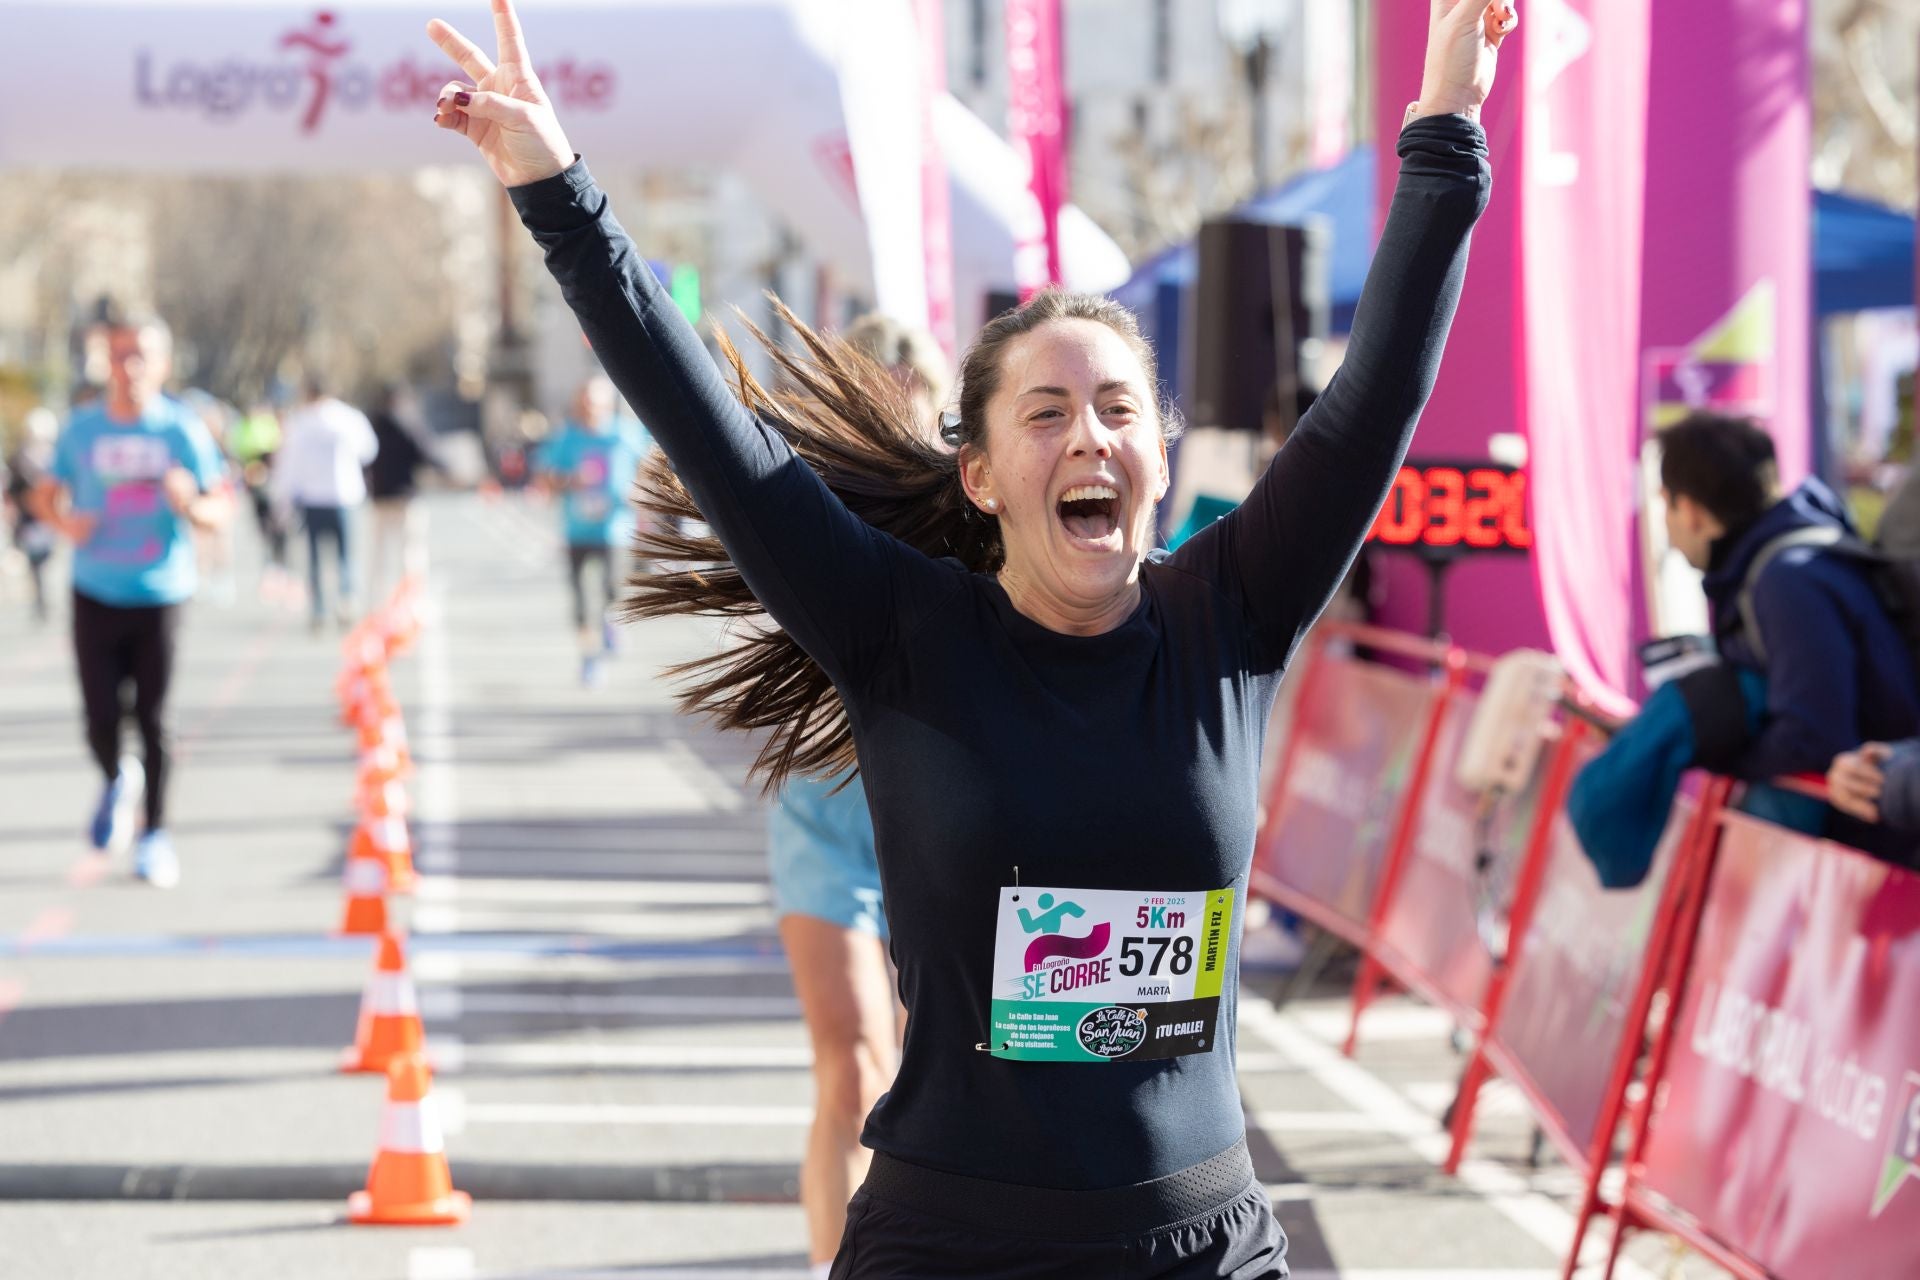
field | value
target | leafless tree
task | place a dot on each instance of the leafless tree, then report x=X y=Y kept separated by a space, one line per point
x=1866 y=124
x=260 y=276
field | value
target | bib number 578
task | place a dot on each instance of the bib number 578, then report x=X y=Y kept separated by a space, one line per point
x=1134 y=958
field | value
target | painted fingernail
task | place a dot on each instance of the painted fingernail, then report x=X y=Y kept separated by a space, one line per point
x=462 y=98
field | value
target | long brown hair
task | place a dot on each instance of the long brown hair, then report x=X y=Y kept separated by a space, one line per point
x=857 y=426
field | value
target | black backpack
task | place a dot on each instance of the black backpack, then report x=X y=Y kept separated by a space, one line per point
x=1891 y=560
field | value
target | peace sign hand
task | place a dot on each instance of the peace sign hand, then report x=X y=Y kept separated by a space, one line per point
x=504 y=112
x=1463 y=46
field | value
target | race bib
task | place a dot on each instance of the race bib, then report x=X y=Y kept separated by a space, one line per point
x=1101 y=975
x=591 y=506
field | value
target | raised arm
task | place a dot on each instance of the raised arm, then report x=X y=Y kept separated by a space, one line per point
x=824 y=575
x=1283 y=552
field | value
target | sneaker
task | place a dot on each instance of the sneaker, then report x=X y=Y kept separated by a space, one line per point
x=154 y=860
x=591 y=675
x=113 y=817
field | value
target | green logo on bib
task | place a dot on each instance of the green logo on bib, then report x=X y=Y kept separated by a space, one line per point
x=1112 y=1031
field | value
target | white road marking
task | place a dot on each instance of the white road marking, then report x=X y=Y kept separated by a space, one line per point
x=438 y=811
x=688 y=859
x=451 y=1103
x=441 y=1004
x=1381 y=1024
x=1498 y=1098
x=440 y=1264
x=591 y=1113
x=597 y=1053
x=668 y=924
x=1506 y=1191
x=439 y=966
x=1336 y=1122
x=449 y=1003
x=515 y=891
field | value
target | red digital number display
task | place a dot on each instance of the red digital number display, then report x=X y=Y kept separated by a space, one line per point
x=1460 y=507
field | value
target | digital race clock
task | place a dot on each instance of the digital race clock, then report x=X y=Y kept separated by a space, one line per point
x=1452 y=508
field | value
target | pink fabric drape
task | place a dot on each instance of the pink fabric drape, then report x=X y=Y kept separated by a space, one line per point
x=1582 y=190
x=935 y=212
x=1037 y=117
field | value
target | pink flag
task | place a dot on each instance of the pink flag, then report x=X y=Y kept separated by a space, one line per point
x=1036 y=114
x=1582 y=190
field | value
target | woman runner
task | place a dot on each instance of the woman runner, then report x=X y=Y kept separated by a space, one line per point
x=1060 y=732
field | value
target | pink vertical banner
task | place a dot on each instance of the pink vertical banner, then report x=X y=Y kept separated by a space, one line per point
x=935 y=209
x=1037 y=117
x=1581 y=194
x=1491 y=601
x=1726 y=312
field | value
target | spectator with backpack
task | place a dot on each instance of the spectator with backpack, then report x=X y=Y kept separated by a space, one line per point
x=1814 y=640
x=1793 y=592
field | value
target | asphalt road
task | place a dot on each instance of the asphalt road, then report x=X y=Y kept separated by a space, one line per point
x=622 y=1074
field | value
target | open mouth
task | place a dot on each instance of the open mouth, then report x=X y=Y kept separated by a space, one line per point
x=1091 y=512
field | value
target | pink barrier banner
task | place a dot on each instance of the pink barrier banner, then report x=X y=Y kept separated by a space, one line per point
x=1037 y=114
x=1431 y=922
x=1353 y=741
x=1580 y=962
x=1789 y=1121
x=1582 y=189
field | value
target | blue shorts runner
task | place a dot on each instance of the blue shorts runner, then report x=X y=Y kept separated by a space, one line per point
x=820 y=854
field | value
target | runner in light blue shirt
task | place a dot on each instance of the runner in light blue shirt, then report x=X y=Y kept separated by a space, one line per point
x=141 y=549
x=590 y=463
x=132 y=477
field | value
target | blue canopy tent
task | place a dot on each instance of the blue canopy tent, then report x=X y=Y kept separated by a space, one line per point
x=1863 y=254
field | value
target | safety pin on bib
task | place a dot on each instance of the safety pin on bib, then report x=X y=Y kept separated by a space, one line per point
x=984 y=1046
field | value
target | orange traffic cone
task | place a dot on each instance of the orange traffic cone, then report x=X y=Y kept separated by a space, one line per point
x=387 y=840
x=383 y=748
x=389 y=1013
x=365 y=879
x=409 y=1183
x=379 y=796
x=400 y=621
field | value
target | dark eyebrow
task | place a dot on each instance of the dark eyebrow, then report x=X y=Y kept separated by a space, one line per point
x=1112 y=384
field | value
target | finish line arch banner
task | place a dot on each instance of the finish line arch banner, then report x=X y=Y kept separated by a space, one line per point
x=1789 y=1118
x=756 y=87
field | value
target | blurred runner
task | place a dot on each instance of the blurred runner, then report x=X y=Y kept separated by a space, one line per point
x=132 y=477
x=253 y=440
x=590 y=463
x=31 y=463
x=318 y=474
x=399 y=544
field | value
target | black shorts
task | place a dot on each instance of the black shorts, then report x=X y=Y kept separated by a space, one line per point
x=915 y=1228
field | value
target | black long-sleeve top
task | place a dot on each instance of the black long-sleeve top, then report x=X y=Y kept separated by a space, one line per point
x=1126 y=760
